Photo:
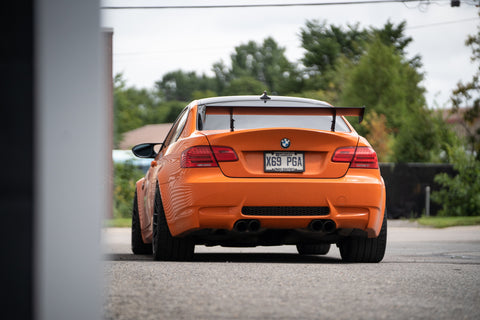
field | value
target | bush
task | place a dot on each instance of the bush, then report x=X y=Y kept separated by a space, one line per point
x=125 y=176
x=459 y=195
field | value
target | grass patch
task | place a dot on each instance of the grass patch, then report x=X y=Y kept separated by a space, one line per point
x=445 y=222
x=118 y=223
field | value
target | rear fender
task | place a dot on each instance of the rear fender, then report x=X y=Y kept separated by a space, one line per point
x=376 y=215
x=145 y=221
x=376 y=218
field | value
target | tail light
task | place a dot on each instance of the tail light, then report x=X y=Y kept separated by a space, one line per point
x=360 y=157
x=206 y=156
x=199 y=156
x=365 y=157
x=223 y=154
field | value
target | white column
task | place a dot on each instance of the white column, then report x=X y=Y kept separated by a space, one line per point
x=71 y=159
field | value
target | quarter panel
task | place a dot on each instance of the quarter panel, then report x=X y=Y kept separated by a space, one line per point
x=145 y=220
x=176 y=196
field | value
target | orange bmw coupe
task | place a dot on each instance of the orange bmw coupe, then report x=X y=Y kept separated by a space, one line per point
x=261 y=171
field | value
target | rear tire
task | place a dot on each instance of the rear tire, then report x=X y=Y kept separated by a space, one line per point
x=358 y=249
x=165 y=246
x=321 y=248
x=138 y=246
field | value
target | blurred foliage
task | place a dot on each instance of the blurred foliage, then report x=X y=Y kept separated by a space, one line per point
x=173 y=109
x=180 y=85
x=417 y=138
x=324 y=45
x=380 y=81
x=201 y=94
x=243 y=86
x=134 y=108
x=266 y=63
x=118 y=223
x=398 y=124
x=379 y=136
x=466 y=96
x=350 y=66
x=459 y=195
x=125 y=176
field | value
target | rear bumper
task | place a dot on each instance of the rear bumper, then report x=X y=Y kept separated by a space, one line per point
x=209 y=200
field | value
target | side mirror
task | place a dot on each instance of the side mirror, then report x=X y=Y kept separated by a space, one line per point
x=145 y=150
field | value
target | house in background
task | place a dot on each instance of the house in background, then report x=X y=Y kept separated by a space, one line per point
x=148 y=133
x=455 y=118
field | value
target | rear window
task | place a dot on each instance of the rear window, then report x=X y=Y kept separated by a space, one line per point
x=259 y=121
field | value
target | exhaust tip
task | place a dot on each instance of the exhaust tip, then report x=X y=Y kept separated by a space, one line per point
x=247 y=225
x=240 y=226
x=316 y=225
x=254 y=225
x=329 y=226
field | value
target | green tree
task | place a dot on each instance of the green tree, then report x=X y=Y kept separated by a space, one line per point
x=416 y=139
x=133 y=108
x=380 y=81
x=125 y=176
x=331 y=51
x=244 y=86
x=390 y=86
x=459 y=195
x=174 y=108
x=325 y=44
x=180 y=86
x=199 y=94
x=222 y=76
x=379 y=136
x=466 y=96
x=264 y=62
x=394 y=35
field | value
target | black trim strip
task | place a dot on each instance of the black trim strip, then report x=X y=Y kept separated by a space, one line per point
x=286 y=211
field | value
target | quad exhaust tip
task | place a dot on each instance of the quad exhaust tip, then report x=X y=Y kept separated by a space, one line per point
x=317 y=225
x=247 y=225
x=327 y=226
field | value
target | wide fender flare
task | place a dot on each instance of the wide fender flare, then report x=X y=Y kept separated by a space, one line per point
x=375 y=221
x=142 y=214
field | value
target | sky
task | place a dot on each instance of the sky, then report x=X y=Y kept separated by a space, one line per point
x=148 y=43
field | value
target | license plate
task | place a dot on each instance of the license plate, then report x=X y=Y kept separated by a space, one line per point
x=284 y=161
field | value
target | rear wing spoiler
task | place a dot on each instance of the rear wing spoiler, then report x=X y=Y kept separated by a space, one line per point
x=310 y=110
x=347 y=111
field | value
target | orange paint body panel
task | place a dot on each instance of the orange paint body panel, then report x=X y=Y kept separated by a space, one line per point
x=250 y=146
x=202 y=200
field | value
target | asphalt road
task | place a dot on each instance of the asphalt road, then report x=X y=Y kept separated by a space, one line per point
x=426 y=274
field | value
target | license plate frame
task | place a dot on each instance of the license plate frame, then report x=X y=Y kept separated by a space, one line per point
x=284 y=161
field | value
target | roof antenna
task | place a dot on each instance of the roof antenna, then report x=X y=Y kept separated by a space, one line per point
x=264 y=97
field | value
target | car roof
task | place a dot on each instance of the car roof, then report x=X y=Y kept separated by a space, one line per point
x=262 y=101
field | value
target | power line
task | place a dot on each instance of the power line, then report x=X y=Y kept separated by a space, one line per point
x=221 y=6
x=441 y=23
x=436 y=24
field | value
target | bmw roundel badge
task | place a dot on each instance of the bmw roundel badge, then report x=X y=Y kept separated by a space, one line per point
x=285 y=143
